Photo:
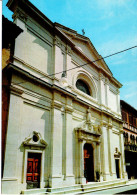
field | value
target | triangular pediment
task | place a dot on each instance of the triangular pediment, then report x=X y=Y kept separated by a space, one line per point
x=84 y=44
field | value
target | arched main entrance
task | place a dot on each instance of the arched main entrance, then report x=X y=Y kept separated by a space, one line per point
x=88 y=163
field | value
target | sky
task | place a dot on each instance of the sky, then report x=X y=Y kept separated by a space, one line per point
x=111 y=26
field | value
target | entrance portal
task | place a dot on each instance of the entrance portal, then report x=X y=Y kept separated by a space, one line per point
x=88 y=163
x=117 y=168
x=33 y=170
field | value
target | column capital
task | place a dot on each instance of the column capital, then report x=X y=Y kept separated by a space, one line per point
x=69 y=109
x=103 y=124
x=101 y=77
x=56 y=104
x=106 y=81
x=110 y=126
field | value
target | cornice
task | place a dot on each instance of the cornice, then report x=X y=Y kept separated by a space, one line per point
x=12 y=67
x=16 y=91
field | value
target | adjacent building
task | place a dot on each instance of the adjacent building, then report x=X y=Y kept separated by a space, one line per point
x=129 y=116
x=64 y=124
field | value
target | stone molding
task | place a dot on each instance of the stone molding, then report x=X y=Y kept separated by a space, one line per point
x=101 y=77
x=20 y=14
x=88 y=126
x=106 y=81
x=56 y=104
x=69 y=109
x=16 y=91
x=57 y=42
x=104 y=124
x=35 y=139
x=86 y=135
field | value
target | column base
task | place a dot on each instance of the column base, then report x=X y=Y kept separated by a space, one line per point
x=61 y=181
x=108 y=176
x=10 y=186
x=82 y=180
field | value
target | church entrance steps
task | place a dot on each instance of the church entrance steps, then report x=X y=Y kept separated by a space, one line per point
x=96 y=186
x=66 y=190
x=35 y=191
x=79 y=188
x=89 y=187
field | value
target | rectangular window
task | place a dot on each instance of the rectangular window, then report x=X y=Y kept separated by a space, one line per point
x=130 y=120
x=124 y=116
x=134 y=122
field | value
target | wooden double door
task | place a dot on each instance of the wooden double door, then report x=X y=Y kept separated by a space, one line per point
x=33 y=170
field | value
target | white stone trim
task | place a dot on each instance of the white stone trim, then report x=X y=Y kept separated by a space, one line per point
x=26 y=151
x=88 y=79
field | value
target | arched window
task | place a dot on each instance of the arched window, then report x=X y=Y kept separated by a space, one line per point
x=82 y=86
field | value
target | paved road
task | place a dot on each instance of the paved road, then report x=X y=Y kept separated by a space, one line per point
x=127 y=189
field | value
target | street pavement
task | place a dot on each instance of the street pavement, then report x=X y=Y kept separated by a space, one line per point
x=129 y=188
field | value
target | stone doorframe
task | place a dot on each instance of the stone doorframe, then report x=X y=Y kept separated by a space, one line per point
x=33 y=144
x=117 y=156
x=85 y=136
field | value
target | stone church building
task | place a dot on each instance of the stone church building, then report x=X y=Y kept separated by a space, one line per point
x=64 y=124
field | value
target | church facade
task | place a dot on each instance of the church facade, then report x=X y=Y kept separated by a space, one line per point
x=64 y=121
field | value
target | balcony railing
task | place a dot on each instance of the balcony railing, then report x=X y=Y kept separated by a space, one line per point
x=130 y=147
x=128 y=126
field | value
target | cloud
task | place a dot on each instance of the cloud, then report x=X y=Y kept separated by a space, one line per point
x=118 y=45
x=127 y=96
x=110 y=3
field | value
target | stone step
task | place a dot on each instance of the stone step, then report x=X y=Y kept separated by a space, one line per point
x=65 y=189
x=103 y=182
x=78 y=189
x=35 y=191
x=103 y=186
x=90 y=187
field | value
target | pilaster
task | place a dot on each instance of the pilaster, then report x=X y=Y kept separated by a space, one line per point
x=10 y=174
x=118 y=102
x=98 y=159
x=82 y=179
x=102 y=88
x=56 y=154
x=107 y=92
x=69 y=143
x=110 y=152
x=105 y=155
x=123 y=167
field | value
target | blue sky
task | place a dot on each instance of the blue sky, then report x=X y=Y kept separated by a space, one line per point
x=111 y=26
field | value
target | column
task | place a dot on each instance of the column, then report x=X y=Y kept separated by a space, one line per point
x=56 y=144
x=101 y=89
x=98 y=159
x=123 y=167
x=63 y=143
x=118 y=102
x=59 y=56
x=69 y=146
x=106 y=91
x=81 y=161
x=104 y=147
x=111 y=154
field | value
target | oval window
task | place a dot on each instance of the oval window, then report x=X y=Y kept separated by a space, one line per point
x=82 y=86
